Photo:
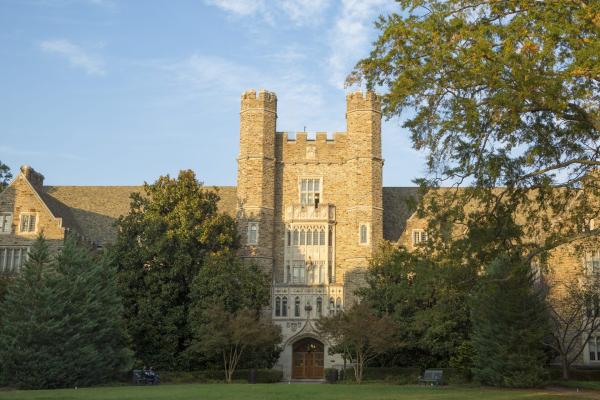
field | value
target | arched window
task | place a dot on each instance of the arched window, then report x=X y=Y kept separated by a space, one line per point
x=284 y=307
x=338 y=305
x=319 y=306
x=297 y=307
x=295 y=237
x=302 y=237
x=288 y=276
x=277 y=306
x=322 y=237
x=331 y=306
x=309 y=237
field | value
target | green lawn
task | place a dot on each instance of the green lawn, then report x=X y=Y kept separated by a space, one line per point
x=285 y=391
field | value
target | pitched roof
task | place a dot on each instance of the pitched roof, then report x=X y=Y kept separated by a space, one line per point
x=93 y=210
x=396 y=210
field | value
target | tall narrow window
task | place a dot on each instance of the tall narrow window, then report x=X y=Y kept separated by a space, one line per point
x=289 y=237
x=330 y=237
x=295 y=237
x=419 y=236
x=309 y=237
x=298 y=272
x=252 y=233
x=288 y=271
x=594 y=348
x=338 y=305
x=5 y=222
x=592 y=262
x=302 y=237
x=28 y=222
x=284 y=307
x=319 y=306
x=310 y=189
x=322 y=237
x=363 y=234
x=277 y=306
x=331 y=306
x=297 y=307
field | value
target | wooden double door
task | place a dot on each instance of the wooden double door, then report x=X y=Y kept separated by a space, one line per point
x=308 y=359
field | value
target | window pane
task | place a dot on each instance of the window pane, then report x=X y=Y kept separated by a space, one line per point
x=309 y=240
x=302 y=238
x=310 y=185
x=303 y=198
x=284 y=307
x=322 y=238
x=303 y=185
x=316 y=185
x=295 y=237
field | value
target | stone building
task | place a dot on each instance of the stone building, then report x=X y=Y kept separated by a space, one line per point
x=311 y=212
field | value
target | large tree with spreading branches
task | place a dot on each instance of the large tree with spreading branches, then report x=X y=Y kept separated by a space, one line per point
x=499 y=93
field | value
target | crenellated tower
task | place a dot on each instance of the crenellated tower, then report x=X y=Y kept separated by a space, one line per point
x=256 y=176
x=363 y=120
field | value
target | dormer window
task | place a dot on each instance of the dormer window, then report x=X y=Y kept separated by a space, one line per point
x=5 y=223
x=419 y=236
x=28 y=223
x=252 y=233
x=310 y=191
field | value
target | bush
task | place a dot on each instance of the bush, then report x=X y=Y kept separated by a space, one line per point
x=576 y=374
x=406 y=375
x=217 y=375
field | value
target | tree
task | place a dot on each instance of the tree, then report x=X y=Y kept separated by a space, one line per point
x=499 y=94
x=509 y=325
x=229 y=293
x=574 y=308
x=359 y=335
x=231 y=334
x=160 y=248
x=62 y=323
x=5 y=175
x=427 y=299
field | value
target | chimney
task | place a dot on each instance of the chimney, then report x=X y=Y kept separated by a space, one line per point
x=34 y=177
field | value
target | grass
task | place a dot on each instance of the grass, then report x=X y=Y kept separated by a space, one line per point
x=294 y=391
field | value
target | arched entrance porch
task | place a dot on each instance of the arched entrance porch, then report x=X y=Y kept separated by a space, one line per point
x=308 y=357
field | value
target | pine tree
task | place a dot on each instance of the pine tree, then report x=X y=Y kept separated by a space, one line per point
x=509 y=324
x=62 y=326
x=29 y=331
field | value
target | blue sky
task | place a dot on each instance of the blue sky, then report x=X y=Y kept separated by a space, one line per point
x=117 y=92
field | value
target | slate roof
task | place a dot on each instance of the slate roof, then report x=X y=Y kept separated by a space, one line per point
x=93 y=210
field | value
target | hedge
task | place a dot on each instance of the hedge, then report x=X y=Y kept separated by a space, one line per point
x=205 y=376
x=576 y=374
x=405 y=375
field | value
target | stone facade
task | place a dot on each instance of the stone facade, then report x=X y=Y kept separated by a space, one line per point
x=311 y=212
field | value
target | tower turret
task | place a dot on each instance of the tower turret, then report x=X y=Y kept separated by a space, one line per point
x=256 y=176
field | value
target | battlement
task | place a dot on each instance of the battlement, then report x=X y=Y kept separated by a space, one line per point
x=318 y=137
x=261 y=100
x=359 y=101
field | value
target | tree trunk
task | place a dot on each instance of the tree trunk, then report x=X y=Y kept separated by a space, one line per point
x=565 y=367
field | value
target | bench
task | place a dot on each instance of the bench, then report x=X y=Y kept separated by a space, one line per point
x=433 y=377
x=139 y=377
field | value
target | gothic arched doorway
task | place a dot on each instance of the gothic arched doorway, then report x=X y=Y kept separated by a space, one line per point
x=308 y=356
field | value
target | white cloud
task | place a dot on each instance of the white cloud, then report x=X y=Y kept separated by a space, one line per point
x=239 y=7
x=300 y=12
x=352 y=34
x=77 y=56
x=201 y=77
x=304 y=12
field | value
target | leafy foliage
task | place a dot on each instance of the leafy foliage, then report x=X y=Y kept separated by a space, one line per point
x=427 y=299
x=62 y=323
x=161 y=247
x=239 y=290
x=230 y=334
x=503 y=94
x=359 y=334
x=5 y=175
x=510 y=323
